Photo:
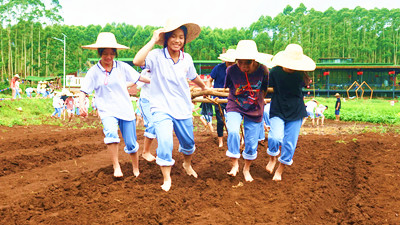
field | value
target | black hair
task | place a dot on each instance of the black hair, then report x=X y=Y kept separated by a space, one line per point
x=306 y=78
x=101 y=50
x=168 y=35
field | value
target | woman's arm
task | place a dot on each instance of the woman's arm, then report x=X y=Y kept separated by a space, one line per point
x=200 y=83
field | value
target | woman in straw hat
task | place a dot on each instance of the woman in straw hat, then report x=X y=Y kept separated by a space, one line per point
x=218 y=75
x=108 y=78
x=287 y=105
x=247 y=81
x=170 y=101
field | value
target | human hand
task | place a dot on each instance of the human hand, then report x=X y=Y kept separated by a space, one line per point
x=157 y=34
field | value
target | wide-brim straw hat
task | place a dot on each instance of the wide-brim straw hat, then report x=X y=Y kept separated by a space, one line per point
x=228 y=56
x=266 y=59
x=193 y=30
x=16 y=75
x=247 y=49
x=293 y=58
x=105 y=40
x=337 y=95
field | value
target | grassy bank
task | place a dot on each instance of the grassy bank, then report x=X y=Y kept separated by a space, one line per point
x=38 y=111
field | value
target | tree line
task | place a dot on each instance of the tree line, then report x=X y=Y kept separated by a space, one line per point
x=28 y=32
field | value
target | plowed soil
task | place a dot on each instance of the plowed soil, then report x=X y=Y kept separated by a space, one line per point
x=343 y=173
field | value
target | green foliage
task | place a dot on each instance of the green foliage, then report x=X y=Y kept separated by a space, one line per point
x=28 y=28
x=34 y=112
x=374 y=111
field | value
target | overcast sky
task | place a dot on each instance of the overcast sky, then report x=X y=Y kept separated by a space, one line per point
x=213 y=13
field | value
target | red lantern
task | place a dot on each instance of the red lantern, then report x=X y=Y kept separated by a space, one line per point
x=376 y=75
x=326 y=73
x=391 y=72
x=349 y=76
x=359 y=73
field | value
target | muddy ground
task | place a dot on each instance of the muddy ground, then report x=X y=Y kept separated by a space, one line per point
x=343 y=173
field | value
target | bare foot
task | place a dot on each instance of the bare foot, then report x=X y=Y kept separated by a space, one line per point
x=136 y=172
x=189 y=170
x=148 y=157
x=220 y=142
x=271 y=165
x=277 y=177
x=234 y=171
x=118 y=172
x=166 y=186
x=278 y=173
x=247 y=176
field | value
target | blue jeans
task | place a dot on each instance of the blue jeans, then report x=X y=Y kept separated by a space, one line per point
x=17 y=93
x=128 y=131
x=220 y=122
x=285 y=134
x=57 y=111
x=164 y=125
x=150 y=131
x=251 y=133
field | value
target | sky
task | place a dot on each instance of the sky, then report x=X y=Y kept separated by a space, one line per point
x=213 y=13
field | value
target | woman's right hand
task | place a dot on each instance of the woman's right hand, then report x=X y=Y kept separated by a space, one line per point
x=157 y=34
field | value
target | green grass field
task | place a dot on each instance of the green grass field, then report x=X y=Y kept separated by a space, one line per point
x=37 y=111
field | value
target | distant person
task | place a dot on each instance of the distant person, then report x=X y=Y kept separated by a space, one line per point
x=310 y=108
x=16 y=88
x=70 y=106
x=287 y=111
x=217 y=78
x=247 y=81
x=338 y=105
x=108 y=79
x=319 y=113
x=57 y=105
x=94 y=107
x=29 y=92
x=170 y=101
x=206 y=115
x=12 y=85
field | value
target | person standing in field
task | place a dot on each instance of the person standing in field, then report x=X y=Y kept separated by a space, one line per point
x=17 y=89
x=69 y=104
x=247 y=81
x=338 y=105
x=170 y=101
x=108 y=79
x=12 y=85
x=287 y=110
x=218 y=75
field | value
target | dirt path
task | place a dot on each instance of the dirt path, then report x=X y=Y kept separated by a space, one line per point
x=342 y=173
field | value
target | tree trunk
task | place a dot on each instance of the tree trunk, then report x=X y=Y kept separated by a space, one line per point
x=39 y=54
x=47 y=60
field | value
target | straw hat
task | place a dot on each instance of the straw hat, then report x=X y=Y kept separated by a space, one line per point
x=337 y=95
x=193 y=30
x=16 y=75
x=105 y=40
x=265 y=59
x=293 y=58
x=247 y=49
x=228 y=56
